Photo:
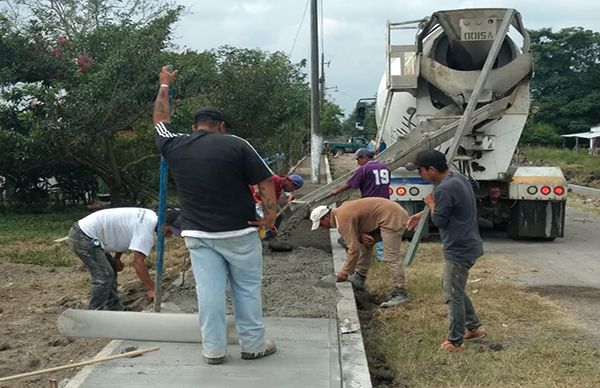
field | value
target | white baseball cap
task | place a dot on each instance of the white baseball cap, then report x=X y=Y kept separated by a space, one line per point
x=316 y=215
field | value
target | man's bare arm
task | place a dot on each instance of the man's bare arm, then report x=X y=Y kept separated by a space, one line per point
x=162 y=112
x=139 y=263
x=267 y=198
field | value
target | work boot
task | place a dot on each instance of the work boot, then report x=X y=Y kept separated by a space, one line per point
x=214 y=360
x=399 y=297
x=453 y=348
x=269 y=349
x=358 y=281
x=475 y=333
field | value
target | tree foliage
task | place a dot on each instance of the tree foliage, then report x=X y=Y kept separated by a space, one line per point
x=78 y=81
x=564 y=87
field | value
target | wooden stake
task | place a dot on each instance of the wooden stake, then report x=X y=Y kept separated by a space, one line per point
x=78 y=364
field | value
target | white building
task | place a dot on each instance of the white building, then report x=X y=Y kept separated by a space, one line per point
x=592 y=143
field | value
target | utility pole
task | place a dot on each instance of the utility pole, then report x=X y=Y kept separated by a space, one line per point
x=316 y=140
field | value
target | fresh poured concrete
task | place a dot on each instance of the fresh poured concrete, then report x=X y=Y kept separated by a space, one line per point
x=307 y=356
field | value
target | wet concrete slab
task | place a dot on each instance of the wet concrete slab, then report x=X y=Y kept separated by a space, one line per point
x=307 y=356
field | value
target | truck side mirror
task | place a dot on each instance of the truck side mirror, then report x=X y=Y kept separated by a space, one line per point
x=360 y=118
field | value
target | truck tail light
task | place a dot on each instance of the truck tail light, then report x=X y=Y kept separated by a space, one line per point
x=390 y=191
x=545 y=190
x=559 y=190
x=495 y=192
x=532 y=190
x=414 y=191
x=401 y=191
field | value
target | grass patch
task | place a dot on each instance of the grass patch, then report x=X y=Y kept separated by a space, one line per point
x=541 y=347
x=52 y=256
x=37 y=228
x=28 y=238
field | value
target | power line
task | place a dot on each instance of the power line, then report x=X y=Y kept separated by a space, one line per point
x=299 y=27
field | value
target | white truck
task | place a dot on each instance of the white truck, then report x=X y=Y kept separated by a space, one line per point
x=433 y=79
x=462 y=87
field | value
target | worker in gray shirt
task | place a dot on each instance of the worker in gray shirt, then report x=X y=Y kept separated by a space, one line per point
x=454 y=213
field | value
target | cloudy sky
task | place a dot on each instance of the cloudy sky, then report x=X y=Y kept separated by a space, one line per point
x=353 y=38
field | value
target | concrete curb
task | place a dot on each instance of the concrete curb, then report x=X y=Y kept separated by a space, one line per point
x=353 y=359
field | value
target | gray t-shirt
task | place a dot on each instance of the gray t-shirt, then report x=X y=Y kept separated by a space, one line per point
x=455 y=215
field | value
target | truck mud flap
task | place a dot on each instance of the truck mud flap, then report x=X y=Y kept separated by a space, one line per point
x=537 y=219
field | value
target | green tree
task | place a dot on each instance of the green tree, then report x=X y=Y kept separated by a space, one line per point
x=77 y=96
x=71 y=98
x=541 y=134
x=566 y=75
x=331 y=119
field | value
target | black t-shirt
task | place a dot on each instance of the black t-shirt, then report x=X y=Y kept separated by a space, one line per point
x=212 y=172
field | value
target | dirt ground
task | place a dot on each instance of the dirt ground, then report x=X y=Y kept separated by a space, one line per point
x=34 y=296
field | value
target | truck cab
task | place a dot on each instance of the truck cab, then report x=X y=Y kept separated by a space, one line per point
x=339 y=148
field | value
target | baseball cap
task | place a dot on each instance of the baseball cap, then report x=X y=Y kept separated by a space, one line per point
x=296 y=179
x=363 y=152
x=428 y=158
x=210 y=113
x=317 y=214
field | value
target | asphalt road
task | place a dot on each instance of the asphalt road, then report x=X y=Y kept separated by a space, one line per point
x=567 y=270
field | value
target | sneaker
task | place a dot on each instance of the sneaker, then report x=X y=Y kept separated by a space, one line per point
x=399 y=297
x=214 y=360
x=449 y=346
x=475 y=333
x=358 y=281
x=269 y=349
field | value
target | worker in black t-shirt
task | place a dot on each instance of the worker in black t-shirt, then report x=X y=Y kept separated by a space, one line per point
x=212 y=171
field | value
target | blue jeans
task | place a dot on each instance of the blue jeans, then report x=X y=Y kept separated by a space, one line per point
x=379 y=248
x=461 y=312
x=213 y=262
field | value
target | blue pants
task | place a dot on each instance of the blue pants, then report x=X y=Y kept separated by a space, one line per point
x=238 y=259
x=379 y=247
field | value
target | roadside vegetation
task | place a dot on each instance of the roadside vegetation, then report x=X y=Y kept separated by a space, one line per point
x=28 y=238
x=579 y=166
x=530 y=342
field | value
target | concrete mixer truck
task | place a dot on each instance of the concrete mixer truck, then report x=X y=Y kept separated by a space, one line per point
x=438 y=73
x=462 y=87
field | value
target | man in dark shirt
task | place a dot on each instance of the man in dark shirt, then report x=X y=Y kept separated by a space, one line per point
x=454 y=213
x=212 y=172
